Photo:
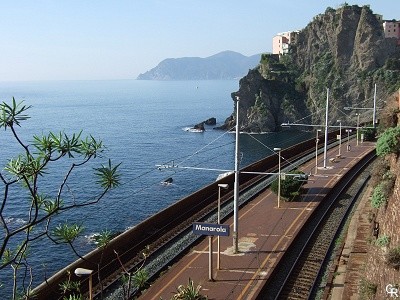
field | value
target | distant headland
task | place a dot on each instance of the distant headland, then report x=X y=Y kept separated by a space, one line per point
x=224 y=65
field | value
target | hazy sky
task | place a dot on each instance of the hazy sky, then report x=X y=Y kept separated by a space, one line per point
x=119 y=39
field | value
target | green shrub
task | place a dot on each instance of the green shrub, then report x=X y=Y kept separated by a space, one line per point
x=330 y=10
x=378 y=196
x=189 y=292
x=388 y=142
x=367 y=289
x=290 y=186
x=140 y=278
x=369 y=134
x=380 y=170
x=382 y=241
x=393 y=258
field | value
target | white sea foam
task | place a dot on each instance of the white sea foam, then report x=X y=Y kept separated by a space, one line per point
x=92 y=238
x=191 y=129
x=14 y=221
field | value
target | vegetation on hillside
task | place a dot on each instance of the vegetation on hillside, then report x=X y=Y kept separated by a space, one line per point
x=383 y=181
x=389 y=142
x=393 y=258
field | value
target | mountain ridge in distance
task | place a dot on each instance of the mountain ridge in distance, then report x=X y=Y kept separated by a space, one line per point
x=221 y=66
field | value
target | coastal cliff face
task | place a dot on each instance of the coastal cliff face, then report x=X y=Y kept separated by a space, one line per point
x=344 y=50
x=377 y=274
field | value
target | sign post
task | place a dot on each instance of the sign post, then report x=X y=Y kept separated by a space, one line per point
x=210 y=229
x=210 y=260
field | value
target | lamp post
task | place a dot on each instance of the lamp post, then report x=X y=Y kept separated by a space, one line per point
x=348 y=138
x=316 y=151
x=340 y=136
x=224 y=186
x=358 y=124
x=85 y=272
x=279 y=175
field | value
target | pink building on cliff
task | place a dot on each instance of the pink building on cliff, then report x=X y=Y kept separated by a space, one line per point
x=282 y=41
x=392 y=29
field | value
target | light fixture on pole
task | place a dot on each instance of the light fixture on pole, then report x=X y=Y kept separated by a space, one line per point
x=223 y=186
x=86 y=272
x=348 y=138
x=316 y=150
x=340 y=137
x=279 y=174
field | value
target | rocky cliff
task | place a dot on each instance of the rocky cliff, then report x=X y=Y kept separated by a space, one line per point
x=342 y=50
x=380 y=269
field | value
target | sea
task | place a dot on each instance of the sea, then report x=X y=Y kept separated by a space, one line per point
x=145 y=127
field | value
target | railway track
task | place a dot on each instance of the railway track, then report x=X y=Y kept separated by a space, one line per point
x=299 y=271
x=164 y=229
x=176 y=242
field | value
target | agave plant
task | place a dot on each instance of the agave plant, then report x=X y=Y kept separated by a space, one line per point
x=189 y=292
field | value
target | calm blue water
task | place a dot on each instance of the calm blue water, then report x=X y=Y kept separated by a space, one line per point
x=142 y=124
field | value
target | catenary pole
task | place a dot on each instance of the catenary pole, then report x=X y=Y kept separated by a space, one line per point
x=374 y=112
x=236 y=185
x=326 y=126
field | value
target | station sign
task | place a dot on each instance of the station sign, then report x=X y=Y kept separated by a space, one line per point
x=210 y=229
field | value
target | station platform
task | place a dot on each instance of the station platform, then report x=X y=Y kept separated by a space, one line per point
x=264 y=233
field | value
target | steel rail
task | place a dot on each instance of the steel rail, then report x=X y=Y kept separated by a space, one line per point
x=267 y=291
x=331 y=247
